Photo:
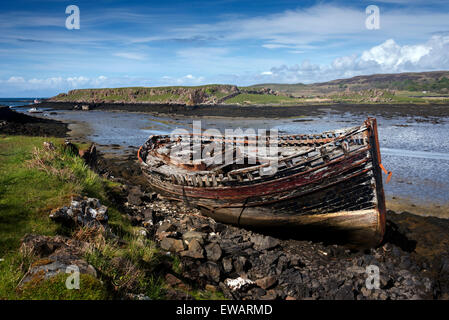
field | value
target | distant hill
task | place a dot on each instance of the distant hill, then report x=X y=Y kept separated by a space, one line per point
x=419 y=88
x=436 y=81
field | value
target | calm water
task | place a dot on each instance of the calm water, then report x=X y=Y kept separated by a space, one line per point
x=417 y=152
x=14 y=102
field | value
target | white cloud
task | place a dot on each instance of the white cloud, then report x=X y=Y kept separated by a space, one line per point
x=388 y=57
x=15 y=80
x=52 y=83
x=392 y=55
x=319 y=26
x=185 y=80
x=130 y=55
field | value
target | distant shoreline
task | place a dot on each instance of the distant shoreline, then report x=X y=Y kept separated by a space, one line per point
x=257 y=111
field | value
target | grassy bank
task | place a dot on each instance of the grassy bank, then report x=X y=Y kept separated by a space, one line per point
x=34 y=181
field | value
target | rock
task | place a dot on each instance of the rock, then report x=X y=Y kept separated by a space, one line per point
x=148 y=214
x=172 y=280
x=344 y=293
x=139 y=296
x=238 y=283
x=49 y=146
x=172 y=294
x=271 y=295
x=173 y=245
x=264 y=242
x=135 y=196
x=267 y=282
x=84 y=212
x=241 y=265
x=213 y=251
x=195 y=250
x=166 y=226
x=227 y=264
x=193 y=235
x=56 y=255
x=365 y=292
x=211 y=271
x=210 y=288
x=293 y=268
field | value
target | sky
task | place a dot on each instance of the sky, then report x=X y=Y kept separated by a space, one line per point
x=179 y=42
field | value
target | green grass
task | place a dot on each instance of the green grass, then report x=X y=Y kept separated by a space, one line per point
x=34 y=181
x=27 y=194
x=142 y=94
x=249 y=98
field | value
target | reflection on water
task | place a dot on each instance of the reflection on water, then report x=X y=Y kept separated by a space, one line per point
x=416 y=152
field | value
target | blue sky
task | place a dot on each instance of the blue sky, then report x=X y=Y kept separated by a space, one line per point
x=156 y=43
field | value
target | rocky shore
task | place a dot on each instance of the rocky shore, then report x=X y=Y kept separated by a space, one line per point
x=15 y=123
x=412 y=261
x=428 y=111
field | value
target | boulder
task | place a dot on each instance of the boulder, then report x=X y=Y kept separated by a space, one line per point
x=267 y=282
x=213 y=251
x=135 y=196
x=194 y=235
x=264 y=242
x=55 y=255
x=211 y=271
x=173 y=245
x=84 y=212
x=195 y=250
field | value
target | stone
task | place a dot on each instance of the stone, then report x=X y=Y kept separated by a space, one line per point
x=195 y=250
x=238 y=283
x=190 y=235
x=241 y=265
x=227 y=264
x=173 y=245
x=56 y=255
x=135 y=196
x=267 y=282
x=166 y=226
x=365 y=292
x=84 y=212
x=172 y=280
x=344 y=293
x=270 y=295
x=148 y=214
x=210 y=288
x=264 y=242
x=213 y=251
x=211 y=271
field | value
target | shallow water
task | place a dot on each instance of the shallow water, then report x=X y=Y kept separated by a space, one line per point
x=416 y=151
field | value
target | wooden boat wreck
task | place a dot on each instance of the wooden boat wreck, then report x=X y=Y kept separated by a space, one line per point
x=330 y=183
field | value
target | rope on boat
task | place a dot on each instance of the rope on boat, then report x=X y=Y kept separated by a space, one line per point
x=389 y=173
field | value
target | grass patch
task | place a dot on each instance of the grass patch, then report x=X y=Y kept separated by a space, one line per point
x=250 y=98
x=35 y=180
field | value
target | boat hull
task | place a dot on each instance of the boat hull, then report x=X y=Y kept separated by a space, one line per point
x=341 y=198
